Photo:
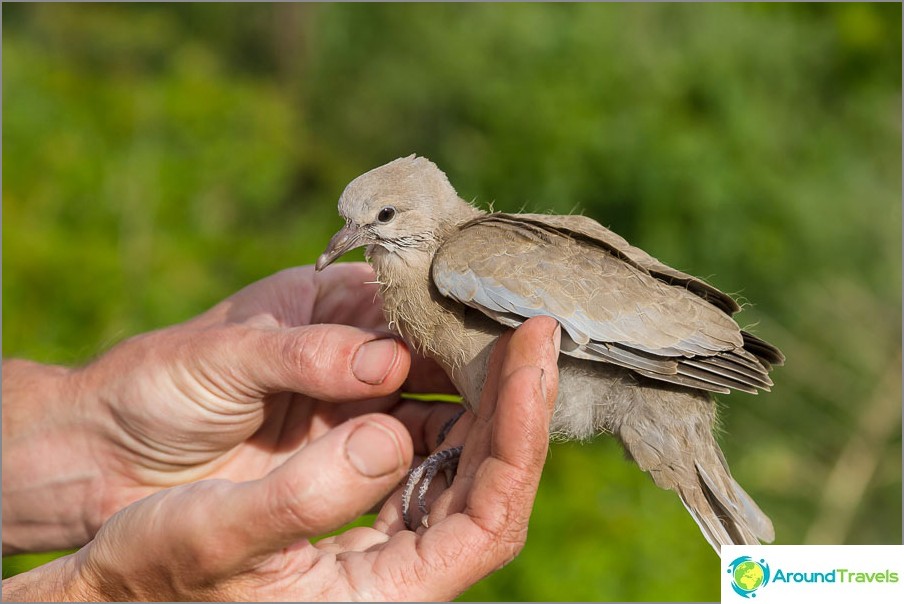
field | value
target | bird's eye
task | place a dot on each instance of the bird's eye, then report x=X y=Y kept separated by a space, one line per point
x=386 y=214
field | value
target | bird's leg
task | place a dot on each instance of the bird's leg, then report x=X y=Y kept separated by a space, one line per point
x=423 y=475
x=446 y=460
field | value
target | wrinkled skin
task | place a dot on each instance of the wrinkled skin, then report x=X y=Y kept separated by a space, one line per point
x=225 y=444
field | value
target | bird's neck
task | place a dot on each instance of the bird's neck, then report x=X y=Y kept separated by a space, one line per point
x=412 y=304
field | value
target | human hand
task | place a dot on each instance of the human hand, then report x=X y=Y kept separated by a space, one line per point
x=216 y=539
x=231 y=394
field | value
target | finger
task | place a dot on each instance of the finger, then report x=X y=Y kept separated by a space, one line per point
x=283 y=299
x=345 y=294
x=534 y=345
x=462 y=548
x=328 y=362
x=504 y=489
x=424 y=420
x=324 y=486
x=427 y=377
x=491 y=385
x=348 y=293
x=476 y=436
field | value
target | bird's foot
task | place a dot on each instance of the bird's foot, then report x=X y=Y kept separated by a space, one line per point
x=447 y=460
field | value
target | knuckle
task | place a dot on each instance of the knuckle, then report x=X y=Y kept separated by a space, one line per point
x=291 y=508
x=509 y=536
x=311 y=352
x=209 y=550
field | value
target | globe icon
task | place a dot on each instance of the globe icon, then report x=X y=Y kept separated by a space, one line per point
x=749 y=575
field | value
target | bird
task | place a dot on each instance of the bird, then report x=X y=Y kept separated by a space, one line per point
x=643 y=346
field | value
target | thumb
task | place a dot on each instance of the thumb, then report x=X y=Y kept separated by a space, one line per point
x=329 y=483
x=329 y=362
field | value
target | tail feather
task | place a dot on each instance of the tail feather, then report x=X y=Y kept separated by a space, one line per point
x=668 y=433
x=741 y=505
x=716 y=531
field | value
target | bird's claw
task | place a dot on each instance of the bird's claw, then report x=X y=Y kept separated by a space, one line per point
x=423 y=475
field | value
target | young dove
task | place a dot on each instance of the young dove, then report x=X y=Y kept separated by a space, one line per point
x=643 y=345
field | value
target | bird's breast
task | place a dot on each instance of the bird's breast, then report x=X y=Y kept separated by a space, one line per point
x=457 y=338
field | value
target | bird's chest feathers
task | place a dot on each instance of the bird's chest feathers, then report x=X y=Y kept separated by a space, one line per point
x=433 y=324
x=419 y=314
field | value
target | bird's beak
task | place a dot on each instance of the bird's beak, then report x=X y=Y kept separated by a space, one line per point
x=348 y=238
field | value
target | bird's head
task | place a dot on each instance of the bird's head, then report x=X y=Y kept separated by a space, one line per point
x=403 y=208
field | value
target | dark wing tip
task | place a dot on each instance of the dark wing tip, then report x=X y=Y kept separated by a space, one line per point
x=762 y=350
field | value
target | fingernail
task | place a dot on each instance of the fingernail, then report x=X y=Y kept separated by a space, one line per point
x=373 y=450
x=374 y=360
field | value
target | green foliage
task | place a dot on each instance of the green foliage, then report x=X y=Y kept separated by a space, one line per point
x=159 y=157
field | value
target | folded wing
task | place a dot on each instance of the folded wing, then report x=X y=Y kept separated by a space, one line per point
x=616 y=303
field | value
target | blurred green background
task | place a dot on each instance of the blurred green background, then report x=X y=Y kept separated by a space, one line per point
x=156 y=158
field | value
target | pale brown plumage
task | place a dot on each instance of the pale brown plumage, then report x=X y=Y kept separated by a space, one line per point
x=642 y=343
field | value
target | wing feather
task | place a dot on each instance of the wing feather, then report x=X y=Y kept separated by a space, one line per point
x=616 y=303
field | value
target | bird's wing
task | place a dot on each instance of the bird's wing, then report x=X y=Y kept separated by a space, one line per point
x=582 y=227
x=611 y=306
